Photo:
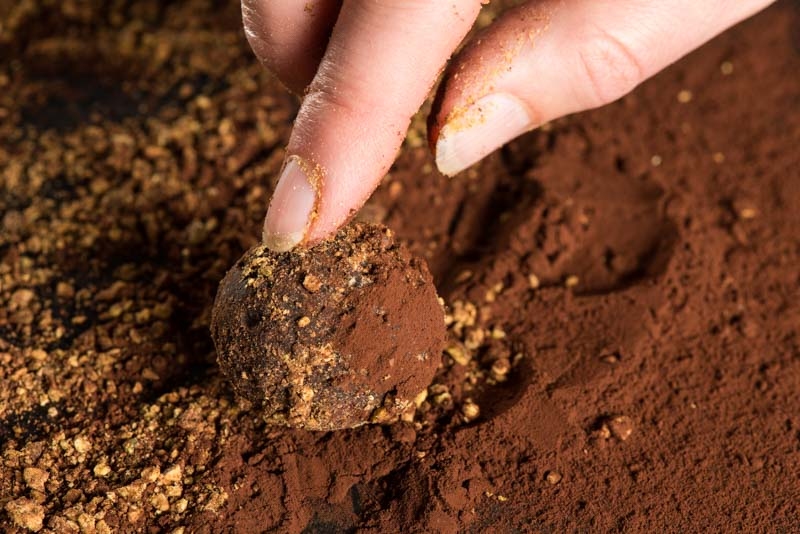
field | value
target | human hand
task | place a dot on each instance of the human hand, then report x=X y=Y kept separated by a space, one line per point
x=367 y=66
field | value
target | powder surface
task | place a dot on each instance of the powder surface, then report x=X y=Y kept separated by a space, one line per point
x=621 y=288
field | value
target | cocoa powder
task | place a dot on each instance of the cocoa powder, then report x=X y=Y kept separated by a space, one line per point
x=620 y=291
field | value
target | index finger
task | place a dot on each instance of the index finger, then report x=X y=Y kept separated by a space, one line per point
x=381 y=61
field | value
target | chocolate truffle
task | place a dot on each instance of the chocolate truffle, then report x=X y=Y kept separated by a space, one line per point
x=333 y=336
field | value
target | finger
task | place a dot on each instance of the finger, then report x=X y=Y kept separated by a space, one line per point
x=290 y=36
x=381 y=62
x=546 y=59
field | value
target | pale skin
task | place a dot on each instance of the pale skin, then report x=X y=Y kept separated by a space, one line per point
x=366 y=66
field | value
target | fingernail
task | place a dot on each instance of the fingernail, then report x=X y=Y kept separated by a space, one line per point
x=483 y=127
x=291 y=209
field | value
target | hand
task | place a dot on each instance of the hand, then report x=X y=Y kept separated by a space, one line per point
x=367 y=66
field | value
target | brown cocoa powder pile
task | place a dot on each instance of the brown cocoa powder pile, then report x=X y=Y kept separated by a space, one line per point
x=343 y=333
x=621 y=290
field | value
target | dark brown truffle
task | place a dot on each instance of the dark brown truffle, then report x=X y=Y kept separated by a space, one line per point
x=334 y=336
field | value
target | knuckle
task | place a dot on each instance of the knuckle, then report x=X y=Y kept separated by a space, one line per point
x=611 y=68
x=329 y=97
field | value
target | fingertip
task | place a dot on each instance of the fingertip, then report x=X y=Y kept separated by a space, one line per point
x=356 y=111
x=473 y=132
x=546 y=58
x=293 y=208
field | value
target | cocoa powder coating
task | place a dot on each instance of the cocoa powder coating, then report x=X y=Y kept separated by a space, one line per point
x=333 y=336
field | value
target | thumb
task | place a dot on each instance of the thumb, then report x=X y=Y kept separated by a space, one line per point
x=381 y=61
x=548 y=58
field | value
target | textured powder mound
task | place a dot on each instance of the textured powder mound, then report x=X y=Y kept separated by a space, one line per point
x=346 y=332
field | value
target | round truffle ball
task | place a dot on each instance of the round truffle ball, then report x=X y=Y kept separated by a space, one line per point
x=333 y=336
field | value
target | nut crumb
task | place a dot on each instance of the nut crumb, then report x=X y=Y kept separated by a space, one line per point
x=553 y=477
x=26 y=513
x=470 y=410
x=533 y=281
x=748 y=213
x=685 y=96
x=726 y=67
x=621 y=427
x=312 y=283
x=35 y=478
